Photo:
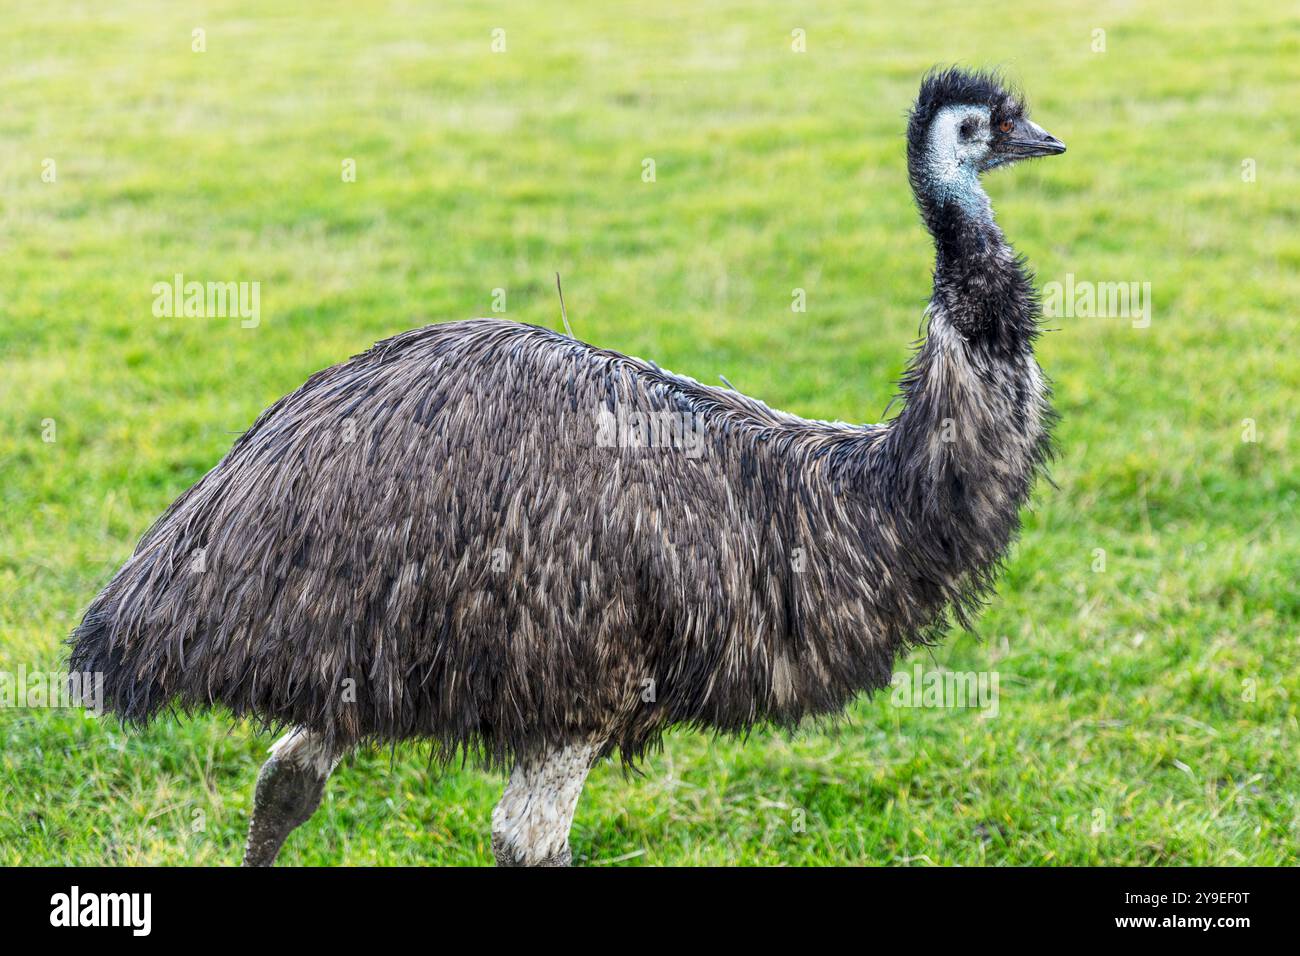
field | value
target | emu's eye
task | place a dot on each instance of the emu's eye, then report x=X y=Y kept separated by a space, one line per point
x=1006 y=125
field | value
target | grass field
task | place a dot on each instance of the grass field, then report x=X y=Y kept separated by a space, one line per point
x=1149 y=694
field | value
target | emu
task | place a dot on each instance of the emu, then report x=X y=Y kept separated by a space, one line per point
x=450 y=538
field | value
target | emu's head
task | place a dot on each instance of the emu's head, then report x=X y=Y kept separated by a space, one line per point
x=964 y=123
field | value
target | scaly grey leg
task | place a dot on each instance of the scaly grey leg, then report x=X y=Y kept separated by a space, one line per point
x=530 y=826
x=289 y=789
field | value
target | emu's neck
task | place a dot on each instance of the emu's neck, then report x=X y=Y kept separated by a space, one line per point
x=961 y=458
x=980 y=285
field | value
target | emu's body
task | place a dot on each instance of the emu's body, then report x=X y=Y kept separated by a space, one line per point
x=449 y=538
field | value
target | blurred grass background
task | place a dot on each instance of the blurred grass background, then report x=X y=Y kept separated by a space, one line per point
x=1148 y=712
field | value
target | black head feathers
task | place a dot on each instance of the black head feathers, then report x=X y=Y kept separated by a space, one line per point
x=957 y=87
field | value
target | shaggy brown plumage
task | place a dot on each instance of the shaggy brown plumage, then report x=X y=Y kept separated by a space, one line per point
x=448 y=538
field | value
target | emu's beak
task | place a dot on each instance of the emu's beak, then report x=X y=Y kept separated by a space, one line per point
x=1028 y=139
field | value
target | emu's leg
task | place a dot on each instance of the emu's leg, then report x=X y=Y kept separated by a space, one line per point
x=289 y=789
x=530 y=826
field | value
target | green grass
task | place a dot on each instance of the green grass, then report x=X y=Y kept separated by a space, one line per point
x=1158 y=696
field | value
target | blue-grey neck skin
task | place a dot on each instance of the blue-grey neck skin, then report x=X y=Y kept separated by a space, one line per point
x=967 y=193
x=948 y=167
